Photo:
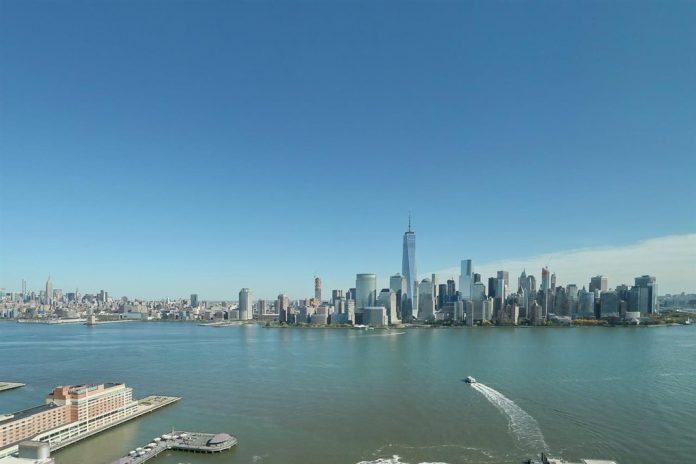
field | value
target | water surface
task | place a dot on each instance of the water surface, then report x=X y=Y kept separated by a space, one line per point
x=302 y=396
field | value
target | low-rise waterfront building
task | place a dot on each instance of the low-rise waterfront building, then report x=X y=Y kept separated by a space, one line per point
x=90 y=406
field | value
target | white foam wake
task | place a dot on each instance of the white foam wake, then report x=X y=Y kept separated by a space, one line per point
x=396 y=459
x=522 y=425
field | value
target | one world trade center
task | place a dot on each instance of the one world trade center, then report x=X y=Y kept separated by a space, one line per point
x=408 y=270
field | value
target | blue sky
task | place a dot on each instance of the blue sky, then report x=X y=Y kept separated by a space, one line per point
x=159 y=149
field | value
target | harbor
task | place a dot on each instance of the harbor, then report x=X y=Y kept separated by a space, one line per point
x=194 y=442
x=73 y=413
x=10 y=386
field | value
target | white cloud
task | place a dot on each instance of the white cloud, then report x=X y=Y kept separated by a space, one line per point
x=671 y=259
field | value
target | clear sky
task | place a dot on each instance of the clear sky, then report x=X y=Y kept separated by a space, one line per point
x=157 y=148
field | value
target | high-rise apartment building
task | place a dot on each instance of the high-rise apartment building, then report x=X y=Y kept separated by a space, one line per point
x=408 y=270
x=246 y=309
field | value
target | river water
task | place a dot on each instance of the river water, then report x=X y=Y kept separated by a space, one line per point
x=303 y=396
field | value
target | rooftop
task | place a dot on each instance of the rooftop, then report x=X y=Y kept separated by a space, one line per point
x=27 y=412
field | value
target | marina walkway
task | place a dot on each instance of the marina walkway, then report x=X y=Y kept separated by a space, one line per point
x=195 y=442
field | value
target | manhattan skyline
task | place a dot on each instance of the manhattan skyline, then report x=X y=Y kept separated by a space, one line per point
x=620 y=265
x=257 y=145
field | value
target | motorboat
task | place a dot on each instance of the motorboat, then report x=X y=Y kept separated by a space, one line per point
x=470 y=379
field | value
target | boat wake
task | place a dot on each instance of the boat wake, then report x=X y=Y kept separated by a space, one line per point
x=396 y=459
x=522 y=425
x=390 y=334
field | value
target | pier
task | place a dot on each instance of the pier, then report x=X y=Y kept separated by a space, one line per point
x=70 y=434
x=194 y=442
x=9 y=385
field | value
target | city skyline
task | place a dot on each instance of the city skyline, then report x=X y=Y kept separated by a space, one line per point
x=621 y=265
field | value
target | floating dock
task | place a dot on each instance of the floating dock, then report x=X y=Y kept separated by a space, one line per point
x=195 y=442
x=9 y=385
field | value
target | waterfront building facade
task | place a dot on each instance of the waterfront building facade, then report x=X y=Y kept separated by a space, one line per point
x=609 y=304
x=69 y=411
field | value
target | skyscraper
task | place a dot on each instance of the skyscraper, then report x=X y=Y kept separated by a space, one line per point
x=492 y=284
x=365 y=291
x=442 y=295
x=501 y=291
x=545 y=279
x=335 y=295
x=397 y=284
x=648 y=294
x=49 y=291
x=466 y=279
x=282 y=306
x=245 y=305
x=451 y=290
x=194 y=300
x=524 y=287
x=317 y=290
x=598 y=283
x=426 y=300
x=408 y=269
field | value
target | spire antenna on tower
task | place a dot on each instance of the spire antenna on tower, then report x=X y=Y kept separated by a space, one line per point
x=409 y=221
